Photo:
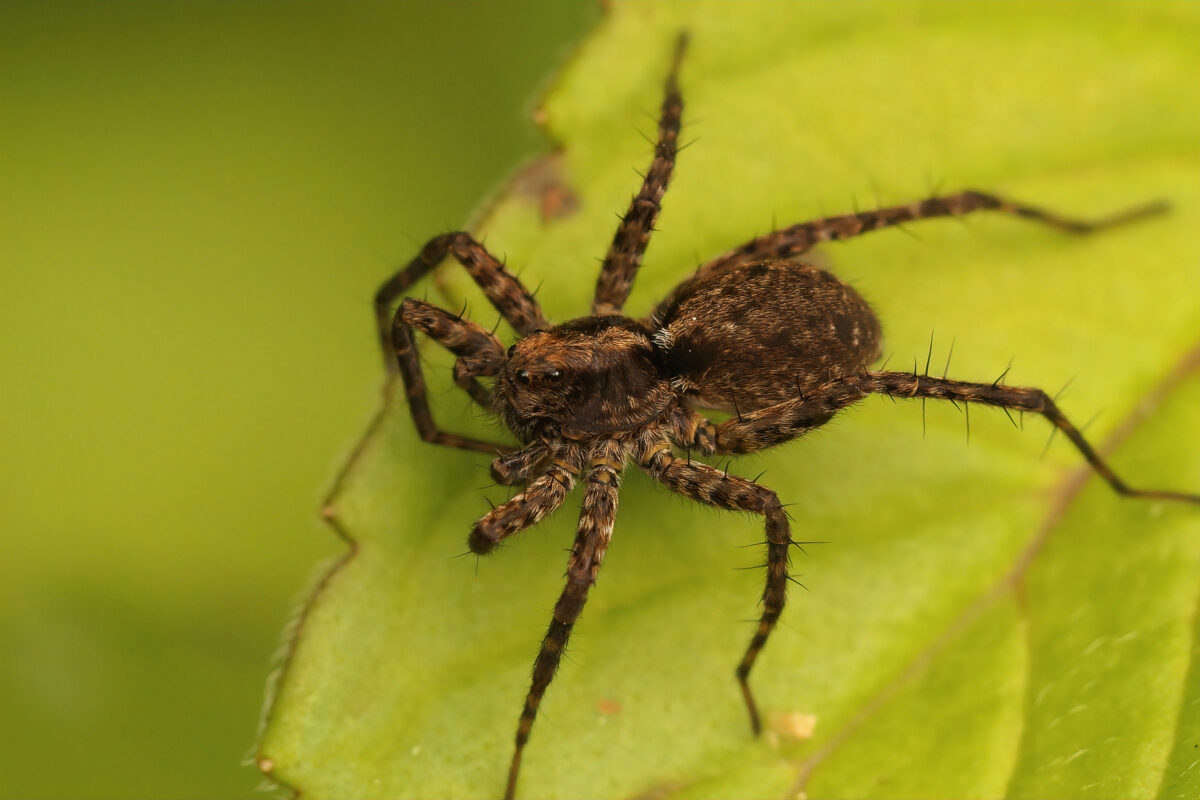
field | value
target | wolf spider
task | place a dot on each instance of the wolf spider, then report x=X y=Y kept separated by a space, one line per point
x=781 y=345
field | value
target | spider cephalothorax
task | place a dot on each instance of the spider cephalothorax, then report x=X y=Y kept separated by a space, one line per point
x=781 y=345
x=588 y=377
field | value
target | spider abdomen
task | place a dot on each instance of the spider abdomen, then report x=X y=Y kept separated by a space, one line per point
x=749 y=336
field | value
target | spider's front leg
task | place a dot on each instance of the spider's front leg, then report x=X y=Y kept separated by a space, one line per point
x=540 y=498
x=591 y=542
x=709 y=485
x=478 y=351
x=502 y=288
x=517 y=466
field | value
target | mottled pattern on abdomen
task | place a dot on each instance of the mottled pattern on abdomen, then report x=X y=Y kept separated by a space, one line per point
x=755 y=335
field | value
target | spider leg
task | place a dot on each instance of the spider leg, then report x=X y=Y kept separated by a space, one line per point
x=779 y=423
x=905 y=384
x=479 y=353
x=633 y=234
x=516 y=466
x=798 y=239
x=465 y=370
x=709 y=485
x=502 y=288
x=692 y=430
x=591 y=542
x=764 y=427
x=543 y=496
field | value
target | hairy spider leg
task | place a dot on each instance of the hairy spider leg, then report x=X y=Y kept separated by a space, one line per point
x=782 y=422
x=633 y=234
x=539 y=499
x=479 y=354
x=479 y=351
x=707 y=484
x=905 y=384
x=591 y=542
x=798 y=239
x=516 y=466
x=779 y=423
x=502 y=288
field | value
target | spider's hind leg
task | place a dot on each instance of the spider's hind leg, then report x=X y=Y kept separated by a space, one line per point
x=907 y=384
x=706 y=484
x=799 y=239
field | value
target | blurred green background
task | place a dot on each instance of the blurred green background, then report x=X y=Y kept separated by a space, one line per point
x=197 y=202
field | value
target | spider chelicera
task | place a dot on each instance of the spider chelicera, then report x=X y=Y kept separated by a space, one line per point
x=781 y=345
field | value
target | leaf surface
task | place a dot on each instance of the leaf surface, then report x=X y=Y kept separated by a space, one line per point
x=981 y=621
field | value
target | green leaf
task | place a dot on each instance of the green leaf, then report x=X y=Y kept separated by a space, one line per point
x=981 y=621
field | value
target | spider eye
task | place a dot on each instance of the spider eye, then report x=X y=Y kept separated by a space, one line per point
x=511 y=349
x=554 y=374
x=522 y=376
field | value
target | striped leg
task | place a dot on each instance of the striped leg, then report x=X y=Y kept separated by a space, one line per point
x=540 y=498
x=765 y=427
x=709 y=485
x=591 y=542
x=633 y=234
x=501 y=287
x=516 y=467
x=798 y=239
x=479 y=353
x=785 y=421
x=907 y=384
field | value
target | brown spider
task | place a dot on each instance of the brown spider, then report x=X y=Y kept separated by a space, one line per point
x=780 y=344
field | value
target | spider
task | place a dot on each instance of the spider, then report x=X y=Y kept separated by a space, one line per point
x=780 y=345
